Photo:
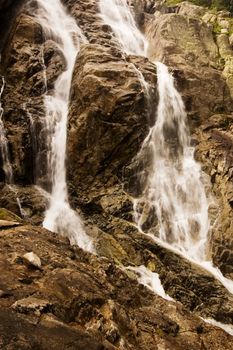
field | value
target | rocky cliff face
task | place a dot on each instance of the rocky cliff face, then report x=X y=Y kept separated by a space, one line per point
x=75 y=300
x=9 y=10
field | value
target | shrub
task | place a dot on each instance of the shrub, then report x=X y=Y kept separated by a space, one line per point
x=215 y=4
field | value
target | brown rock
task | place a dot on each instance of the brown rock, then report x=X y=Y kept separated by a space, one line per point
x=28 y=202
x=186 y=44
x=81 y=301
x=215 y=151
x=8 y=12
x=108 y=118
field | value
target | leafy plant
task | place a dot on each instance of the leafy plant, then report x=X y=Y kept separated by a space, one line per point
x=214 y=4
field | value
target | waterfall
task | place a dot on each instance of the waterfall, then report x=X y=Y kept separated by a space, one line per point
x=118 y=16
x=7 y=168
x=150 y=279
x=60 y=27
x=6 y=164
x=174 y=191
x=33 y=135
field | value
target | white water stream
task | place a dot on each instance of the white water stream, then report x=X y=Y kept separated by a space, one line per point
x=60 y=27
x=150 y=279
x=174 y=186
x=118 y=16
x=228 y=328
x=7 y=168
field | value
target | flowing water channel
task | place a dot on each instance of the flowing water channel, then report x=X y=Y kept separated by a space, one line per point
x=174 y=188
x=7 y=168
x=117 y=14
x=60 y=27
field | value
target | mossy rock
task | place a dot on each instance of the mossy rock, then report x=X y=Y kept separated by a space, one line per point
x=8 y=215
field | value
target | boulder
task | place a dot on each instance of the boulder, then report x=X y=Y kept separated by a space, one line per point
x=190 y=10
x=74 y=299
x=24 y=60
x=108 y=116
x=32 y=260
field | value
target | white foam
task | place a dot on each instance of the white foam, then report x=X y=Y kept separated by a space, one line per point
x=60 y=27
x=150 y=279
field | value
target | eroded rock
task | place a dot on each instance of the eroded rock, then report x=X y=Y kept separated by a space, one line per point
x=108 y=112
x=186 y=44
x=109 y=117
x=88 y=302
x=32 y=260
x=31 y=304
x=215 y=151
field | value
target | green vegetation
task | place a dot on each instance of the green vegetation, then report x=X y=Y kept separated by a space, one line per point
x=7 y=215
x=222 y=5
x=216 y=28
x=213 y=4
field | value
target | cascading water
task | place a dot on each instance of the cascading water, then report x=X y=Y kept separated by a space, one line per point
x=7 y=168
x=174 y=190
x=62 y=29
x=150 y=279
x=118 y=16
x=33 y=138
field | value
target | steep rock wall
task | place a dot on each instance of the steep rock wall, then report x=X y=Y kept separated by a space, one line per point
x=108 y=119
x=8 y=12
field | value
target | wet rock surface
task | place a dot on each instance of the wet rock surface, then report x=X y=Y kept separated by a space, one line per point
x=215 y=151
x=195 y=43
x=75 y=300
x=8 y=13
x=24 y=61
x=187 y=45
x=79 y=301
x=188 y=283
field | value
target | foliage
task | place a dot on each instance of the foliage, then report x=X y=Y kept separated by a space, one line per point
x=223 y=4
x=216 y=28
x=214 y=4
